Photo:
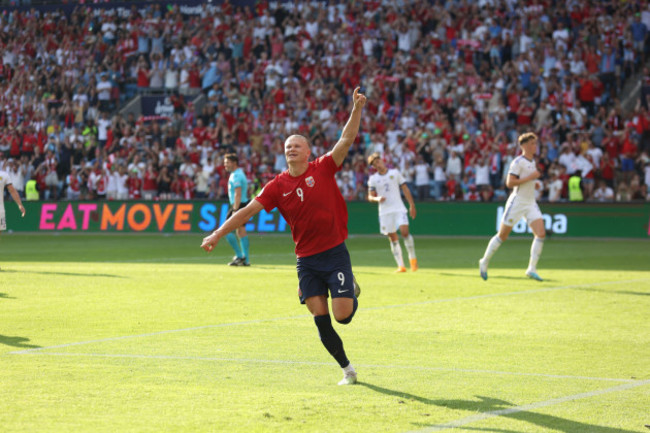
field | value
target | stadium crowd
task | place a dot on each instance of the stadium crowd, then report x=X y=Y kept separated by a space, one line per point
x=450 y=86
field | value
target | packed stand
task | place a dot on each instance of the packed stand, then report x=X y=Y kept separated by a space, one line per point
x=450 y=86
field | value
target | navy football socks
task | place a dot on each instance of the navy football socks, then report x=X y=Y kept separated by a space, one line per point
x=331 y=339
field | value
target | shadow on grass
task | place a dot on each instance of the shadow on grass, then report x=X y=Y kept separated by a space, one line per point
x=620 y=292
x=17 y=342
x=6 y=296
x=495 y=277
x=488 y=404
x=67 y=274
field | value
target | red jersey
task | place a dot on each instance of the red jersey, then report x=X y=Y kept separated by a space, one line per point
x=150 y=182
x=73 y=182
x=143 y=77
x=135 y=185
x=311 y=204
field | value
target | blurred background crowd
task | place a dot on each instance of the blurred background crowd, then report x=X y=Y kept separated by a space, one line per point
x=450 y=86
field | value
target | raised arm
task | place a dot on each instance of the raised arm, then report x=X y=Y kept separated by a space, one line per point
x=350 y=130
x=238 y=219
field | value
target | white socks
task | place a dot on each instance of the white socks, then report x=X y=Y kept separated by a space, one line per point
x=535 y=252
x=397 y=253
x=410 y=246
x=492 y=247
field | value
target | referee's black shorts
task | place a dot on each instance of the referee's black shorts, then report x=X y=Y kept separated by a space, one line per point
x=232 y=211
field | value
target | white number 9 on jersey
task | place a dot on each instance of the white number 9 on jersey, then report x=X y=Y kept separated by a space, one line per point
x=300 y=194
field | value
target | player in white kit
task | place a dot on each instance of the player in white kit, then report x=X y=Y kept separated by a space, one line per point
x=521 y=203
x=384 y=188
x=5 y=181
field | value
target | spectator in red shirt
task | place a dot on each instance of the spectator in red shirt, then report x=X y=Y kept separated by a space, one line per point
x=143 y=74
x=199 y=131
x=194 y=78
x=134 y=184
x=525 y=113
x=29 y=142
x=14 y=141
x=450 y=186
x=628 y=155
x=150 y=182
x=514 y=101
x=186 y=187
x=587 y=93
x=607 y=169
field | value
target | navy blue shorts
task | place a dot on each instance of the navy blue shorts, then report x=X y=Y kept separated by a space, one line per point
x=330 y=270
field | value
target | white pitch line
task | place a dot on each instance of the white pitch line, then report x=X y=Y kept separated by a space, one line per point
x=527 y=407
x=249 y=322
x=153 y=334
x=284 y=361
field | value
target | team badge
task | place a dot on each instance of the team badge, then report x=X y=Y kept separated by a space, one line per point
x=310 y=181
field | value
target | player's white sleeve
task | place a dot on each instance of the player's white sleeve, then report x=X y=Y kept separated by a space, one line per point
x=515 y=167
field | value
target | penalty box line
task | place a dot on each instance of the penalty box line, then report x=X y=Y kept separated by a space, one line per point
x=277 y=319
x=528 y=407
x=296 y=362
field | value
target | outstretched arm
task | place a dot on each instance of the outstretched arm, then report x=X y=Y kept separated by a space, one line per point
x=238 y=219
x=16 y=197
x=350 y=130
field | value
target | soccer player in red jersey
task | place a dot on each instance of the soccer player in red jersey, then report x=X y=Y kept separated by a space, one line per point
x=309 y=199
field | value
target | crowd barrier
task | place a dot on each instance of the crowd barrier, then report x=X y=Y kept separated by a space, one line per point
x=433 y=218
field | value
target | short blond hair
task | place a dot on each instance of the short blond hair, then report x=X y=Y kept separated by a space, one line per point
x=526 y=137
x=302 y=137
x=373 y=157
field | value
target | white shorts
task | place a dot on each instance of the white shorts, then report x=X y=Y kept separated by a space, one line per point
x=515 y=210
x=390 y=222
x=3 y=221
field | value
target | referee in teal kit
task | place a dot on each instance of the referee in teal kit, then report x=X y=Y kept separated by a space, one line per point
x=238 y=196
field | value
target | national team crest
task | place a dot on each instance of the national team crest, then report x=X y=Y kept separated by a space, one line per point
x=310 y=181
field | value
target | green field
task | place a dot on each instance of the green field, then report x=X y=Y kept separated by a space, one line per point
x=147 y=333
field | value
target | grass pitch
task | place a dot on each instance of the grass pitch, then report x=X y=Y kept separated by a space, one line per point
x=148 y=334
